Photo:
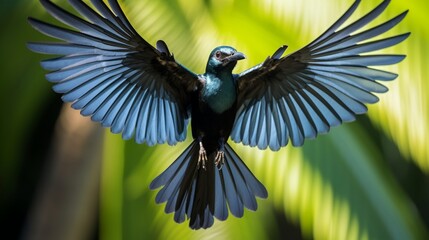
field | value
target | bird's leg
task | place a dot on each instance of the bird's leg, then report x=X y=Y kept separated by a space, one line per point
x=202 y=157
x=220 y=155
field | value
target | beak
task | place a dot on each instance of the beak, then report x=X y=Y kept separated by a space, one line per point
x=233 y=58
x=236 y=56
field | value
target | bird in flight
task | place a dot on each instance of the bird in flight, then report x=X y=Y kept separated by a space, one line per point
x=109 y=72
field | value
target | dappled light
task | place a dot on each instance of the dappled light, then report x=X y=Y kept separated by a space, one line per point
x=363 y=180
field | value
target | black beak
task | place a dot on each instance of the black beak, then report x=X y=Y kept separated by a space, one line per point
x=236 y=56
x=233 y=58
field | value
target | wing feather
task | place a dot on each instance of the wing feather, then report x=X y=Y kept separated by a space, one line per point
x=113 y=75
x=322 y=85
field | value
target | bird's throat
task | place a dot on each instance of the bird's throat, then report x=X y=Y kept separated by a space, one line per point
x=219 y=92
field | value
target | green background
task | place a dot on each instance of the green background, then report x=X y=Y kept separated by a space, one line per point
x=364 y=180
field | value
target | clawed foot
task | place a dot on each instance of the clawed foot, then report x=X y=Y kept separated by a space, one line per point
x=202 y=157
x=220 y=159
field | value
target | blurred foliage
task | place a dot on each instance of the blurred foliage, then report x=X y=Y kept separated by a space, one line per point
x=366 y=180
x=22 y=93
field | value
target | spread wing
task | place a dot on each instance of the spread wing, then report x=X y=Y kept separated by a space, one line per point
x=318 y=87
x=113 y=75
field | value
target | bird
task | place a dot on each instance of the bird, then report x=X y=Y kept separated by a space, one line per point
x=112 y=74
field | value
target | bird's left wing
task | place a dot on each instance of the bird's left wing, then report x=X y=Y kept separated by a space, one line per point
x=320 y=86
x=113 y=75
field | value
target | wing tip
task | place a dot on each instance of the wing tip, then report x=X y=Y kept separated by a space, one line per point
x=45 y=3
x=33 y=46
x=162 y=47
x=399 y=58
x=33 y=22
x=279 y=52
x=263 y=194
x=155 y=184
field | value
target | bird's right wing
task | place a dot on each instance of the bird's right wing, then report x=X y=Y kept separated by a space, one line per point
x=320 y=86
x=112 y=74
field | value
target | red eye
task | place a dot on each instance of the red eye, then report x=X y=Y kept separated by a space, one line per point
x=218 y=54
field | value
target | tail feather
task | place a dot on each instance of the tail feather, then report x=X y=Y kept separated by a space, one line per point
x=166 y=176
x=221 y=210
x=234 y=202
x=244 y=191
x=201 y=194
x=254 y=184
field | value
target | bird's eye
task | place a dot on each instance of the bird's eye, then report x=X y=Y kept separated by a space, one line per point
x=218 y=54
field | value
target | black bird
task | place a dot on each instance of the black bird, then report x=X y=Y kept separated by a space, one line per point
x=109 y=72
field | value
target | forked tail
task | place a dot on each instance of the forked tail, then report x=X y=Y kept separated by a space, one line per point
x=199 y=194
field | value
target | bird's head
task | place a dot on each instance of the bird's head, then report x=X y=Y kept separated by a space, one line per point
x=223 y=59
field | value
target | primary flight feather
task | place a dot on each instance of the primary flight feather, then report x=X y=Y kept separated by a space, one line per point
x=109 y=72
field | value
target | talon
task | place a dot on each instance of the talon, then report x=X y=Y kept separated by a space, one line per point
x=220 y=159
x=202 y=157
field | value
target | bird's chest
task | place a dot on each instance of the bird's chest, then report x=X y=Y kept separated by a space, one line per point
x=219 y=94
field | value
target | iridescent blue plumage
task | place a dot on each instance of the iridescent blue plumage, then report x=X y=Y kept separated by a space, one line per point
x=218 y=84
x=219 y=92
x=109 y=72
